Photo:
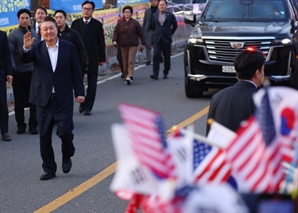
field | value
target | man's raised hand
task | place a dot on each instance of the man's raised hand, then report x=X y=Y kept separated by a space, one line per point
x=28 y=41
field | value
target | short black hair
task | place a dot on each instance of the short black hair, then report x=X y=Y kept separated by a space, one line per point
x=89 y=2
x=164 y=1
x=49 y=18
x=42 y=8
x=61 y=11
x=127 y=7
x=24 y=10
x=247 y=62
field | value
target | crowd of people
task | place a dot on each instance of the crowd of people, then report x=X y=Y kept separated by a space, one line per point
x=46 y=61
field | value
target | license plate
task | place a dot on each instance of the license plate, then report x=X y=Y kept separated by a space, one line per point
x=229 y=69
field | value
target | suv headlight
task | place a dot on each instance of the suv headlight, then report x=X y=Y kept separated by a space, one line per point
x=195 y=36
x=285 y=41
x=195 y=40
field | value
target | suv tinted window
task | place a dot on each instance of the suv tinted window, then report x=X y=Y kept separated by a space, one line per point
x=259 y=10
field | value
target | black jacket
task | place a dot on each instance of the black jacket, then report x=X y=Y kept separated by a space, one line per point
x=232 y=105
x=73 y=37
x=166 y=31
x=93 y=38
x=5 y=60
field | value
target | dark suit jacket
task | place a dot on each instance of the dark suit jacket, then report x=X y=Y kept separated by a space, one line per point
x=93 y=39
x=66 y=78
x=73 y=37
x=33 y=27
x=166 y=31
x=232 y=105
x=5 y=59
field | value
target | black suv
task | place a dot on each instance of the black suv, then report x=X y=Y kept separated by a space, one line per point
x=226 y=27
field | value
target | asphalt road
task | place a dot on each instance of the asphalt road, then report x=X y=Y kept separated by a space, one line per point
x=86 y=188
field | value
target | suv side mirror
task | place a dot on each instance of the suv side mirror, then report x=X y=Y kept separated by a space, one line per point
x=190 y=19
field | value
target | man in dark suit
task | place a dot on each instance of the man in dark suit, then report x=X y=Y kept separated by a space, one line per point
x=234 y=104
x=22 y=74
x=57 y=73
x=91 y=32
x=148 y=28
x=5 y=75
x=164 y=25
x=68 y=34
x=39 y=15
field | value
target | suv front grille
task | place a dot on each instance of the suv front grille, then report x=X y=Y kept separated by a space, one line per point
x=220 y=49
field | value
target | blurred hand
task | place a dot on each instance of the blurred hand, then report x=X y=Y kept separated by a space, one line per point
x=143 y=47
x=28 y=41
x=80 y=99
x=101 y=63
x=9 y=78
x=115 y=43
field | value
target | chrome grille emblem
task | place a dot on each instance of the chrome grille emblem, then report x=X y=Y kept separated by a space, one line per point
x=237 y=45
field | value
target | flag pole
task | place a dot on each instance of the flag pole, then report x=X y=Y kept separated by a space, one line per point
x=289 y=175
x=198 y=137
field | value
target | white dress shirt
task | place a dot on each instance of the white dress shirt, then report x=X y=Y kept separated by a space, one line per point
x=53 y=54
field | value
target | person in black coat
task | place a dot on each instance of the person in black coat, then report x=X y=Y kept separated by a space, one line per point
x=164 y=25
x=91 y=32
x=68 y=34
x=5 y=75
x=235 y=104
x=57 y=77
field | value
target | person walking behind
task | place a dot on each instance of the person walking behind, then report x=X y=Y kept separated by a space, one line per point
x=68 y=34
x=148 y=29
x=164 y=26
x=5 y=75
x=57 y=73
x=91 y=32
x=22 y=74
x=128 y=31
x=39 y=15
x=234 y=104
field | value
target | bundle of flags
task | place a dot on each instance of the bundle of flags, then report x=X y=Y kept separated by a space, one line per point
x=163 y=174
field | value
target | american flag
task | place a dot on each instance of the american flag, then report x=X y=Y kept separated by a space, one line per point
x=255 y=153
x=209 y=164
x=147 y=132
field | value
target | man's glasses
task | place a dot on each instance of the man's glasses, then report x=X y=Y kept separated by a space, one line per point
x=87 y=9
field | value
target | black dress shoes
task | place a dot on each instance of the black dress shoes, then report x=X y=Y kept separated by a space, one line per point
x=33 y=130
x=21 y=130
x=153 y=77
x=6 y=137
x=47 y=176
x=87 y=112
x=66 y=165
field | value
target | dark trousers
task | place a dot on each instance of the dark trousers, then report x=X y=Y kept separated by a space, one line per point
x=21 y=89
x=54 y=113
x=165 y=48
x=3 y=109
x=91 y=92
